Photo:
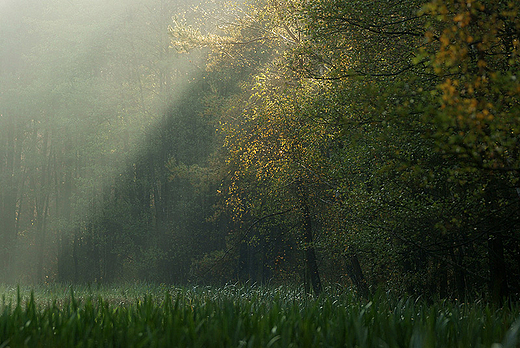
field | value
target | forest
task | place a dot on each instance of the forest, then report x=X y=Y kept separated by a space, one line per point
x=371 y=145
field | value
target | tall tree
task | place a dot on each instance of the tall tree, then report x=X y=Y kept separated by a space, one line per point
x=475 y=118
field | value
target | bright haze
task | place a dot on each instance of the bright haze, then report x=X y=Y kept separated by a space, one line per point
x=83 y=84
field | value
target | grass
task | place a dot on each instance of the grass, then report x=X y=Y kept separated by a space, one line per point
x=233 y=316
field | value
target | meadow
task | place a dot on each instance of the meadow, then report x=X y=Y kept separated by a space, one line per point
x=148 y=315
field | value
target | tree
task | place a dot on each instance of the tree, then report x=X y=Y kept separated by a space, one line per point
x=260 y=145
x=475 y=118
x=377 y=116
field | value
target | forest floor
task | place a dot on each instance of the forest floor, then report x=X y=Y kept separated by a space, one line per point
x=149 y=315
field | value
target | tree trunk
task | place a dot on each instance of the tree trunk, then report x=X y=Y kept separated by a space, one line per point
x=457 y=257
x=310 y=253
x=42 y=206
x=355 y=274
x=498 y=287
x=497 y=269
x=10 y=173
x=443 y=280
x=75 y=256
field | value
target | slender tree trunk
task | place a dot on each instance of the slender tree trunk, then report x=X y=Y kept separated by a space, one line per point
x=42 y=234
x=64 y=194
x=42 y=206
x=443 y=280
x=356 y=275
x=263 y=260
x=497 y=267
x=306 y=277
x=457 y=257
x=75 y=256
x=498 y=274
x=243 y=274
x=310 y=253
x=10 y=158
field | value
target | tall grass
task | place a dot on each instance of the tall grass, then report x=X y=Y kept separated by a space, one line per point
x=232 y=316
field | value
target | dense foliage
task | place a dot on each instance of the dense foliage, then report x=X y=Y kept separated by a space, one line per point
x=381 y=134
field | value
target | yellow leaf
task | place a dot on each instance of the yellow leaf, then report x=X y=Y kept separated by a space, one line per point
x=458 y=18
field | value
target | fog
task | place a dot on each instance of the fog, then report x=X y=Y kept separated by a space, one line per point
x=85 y=88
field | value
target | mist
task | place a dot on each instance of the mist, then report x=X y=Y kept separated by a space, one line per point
x=89 y=91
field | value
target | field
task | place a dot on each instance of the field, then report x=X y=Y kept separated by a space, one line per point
x=233 y=316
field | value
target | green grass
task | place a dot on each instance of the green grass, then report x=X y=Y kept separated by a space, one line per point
x=232 y=316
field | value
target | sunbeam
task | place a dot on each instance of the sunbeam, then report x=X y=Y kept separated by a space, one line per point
x=85 y=86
